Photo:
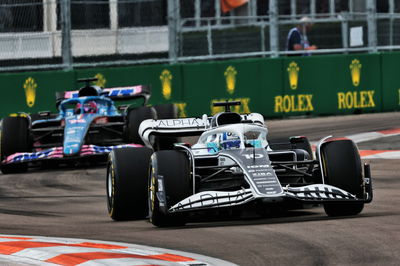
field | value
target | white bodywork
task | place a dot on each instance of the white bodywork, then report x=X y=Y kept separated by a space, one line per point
x=187 y=126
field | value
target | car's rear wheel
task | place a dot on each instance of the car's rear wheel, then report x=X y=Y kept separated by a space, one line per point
x=127 y=172
x=15 y=137
x=301 y=143
x=166 y=111
x=342 y=168
x=134 y=118
x=171 y=170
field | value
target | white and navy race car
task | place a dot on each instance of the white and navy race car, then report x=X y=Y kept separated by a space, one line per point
x=231 y=165
x=88 y=124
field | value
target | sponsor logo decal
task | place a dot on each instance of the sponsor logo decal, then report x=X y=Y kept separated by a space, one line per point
x=181 y=109
x=230 y=78
x=355 y=69
x=293 y=70
x=293 y=102
x=30 y=91
x=258 y=166
x=166 y=84
x=121 y=92
x=183 y=122
x=253 y=156
x=77 y=121
x=356 y=99
x=101 y=81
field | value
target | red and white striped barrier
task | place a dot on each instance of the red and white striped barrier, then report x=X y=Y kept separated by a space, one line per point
x=36 y=250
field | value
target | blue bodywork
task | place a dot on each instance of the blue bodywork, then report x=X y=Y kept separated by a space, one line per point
x=76 y=118
x=77 y=121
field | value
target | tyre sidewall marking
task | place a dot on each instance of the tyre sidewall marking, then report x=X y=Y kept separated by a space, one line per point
x=152 y=186
x=111 y=200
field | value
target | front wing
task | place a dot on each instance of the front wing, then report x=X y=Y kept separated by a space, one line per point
x=57 y=153
x=315 y=194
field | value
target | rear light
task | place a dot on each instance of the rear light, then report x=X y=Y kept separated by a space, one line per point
x=63 y=123
x=101 y=120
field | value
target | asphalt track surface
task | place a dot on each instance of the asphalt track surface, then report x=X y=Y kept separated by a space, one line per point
x=71 y=203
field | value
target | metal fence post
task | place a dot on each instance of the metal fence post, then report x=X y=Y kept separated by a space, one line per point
x=345 y=30
x=66 y=34
x=293 y=9
x=391 y=12
x=371 y=19
x=173 y=20
x=197 y=12
x=273 y=28
x=218 y=12
x=209 y=38
x=313 y=8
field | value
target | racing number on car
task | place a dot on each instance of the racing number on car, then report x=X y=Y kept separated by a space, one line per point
x=253 y=156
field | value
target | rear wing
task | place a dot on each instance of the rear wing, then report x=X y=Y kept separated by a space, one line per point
x=184 y=127
x=115 y=93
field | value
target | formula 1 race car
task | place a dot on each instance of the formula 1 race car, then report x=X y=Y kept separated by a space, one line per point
x=232 y=165
x=88 y=124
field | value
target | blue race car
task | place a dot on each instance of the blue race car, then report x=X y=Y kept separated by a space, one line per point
x=88 y=124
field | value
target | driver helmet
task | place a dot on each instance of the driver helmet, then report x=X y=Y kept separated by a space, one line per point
x=88 y=108
x=229 y=141
x=78 y=108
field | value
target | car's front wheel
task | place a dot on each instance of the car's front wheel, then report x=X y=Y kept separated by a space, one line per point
x=127 y=171
x=169 y=177
x=342 y=165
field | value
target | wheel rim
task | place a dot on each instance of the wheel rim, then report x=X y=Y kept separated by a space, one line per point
x=152 y=189
x=109 y=184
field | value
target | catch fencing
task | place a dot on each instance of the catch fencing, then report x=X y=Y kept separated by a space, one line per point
x=54 y=34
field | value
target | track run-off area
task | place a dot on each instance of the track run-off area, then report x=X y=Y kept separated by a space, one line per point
x=71 y=203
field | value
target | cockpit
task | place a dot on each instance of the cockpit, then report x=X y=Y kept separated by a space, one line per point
x=87 y=105
x=237 y=136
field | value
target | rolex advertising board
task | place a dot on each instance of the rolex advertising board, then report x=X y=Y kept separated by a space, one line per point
x=32 y=92
x=329 y=85
x=286 y=86
x=390 y=81
x=252 y=82
x=165 y=80
x=359 y=86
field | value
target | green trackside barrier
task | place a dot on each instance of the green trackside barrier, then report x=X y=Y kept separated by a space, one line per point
x=165 y=81
x=390 y=81
x=286 y=86
x=31 y=92
x=333 y=84
x=254 y=82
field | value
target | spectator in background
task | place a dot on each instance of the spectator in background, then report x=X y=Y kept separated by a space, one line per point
x=297 y=38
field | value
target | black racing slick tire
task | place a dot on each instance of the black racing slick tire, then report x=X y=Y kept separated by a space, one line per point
x=127 y=173
x=166 y=111
x=171 y=170
x=301 y=143
x=134 y=119
x=342 y=168
x=15 y=137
